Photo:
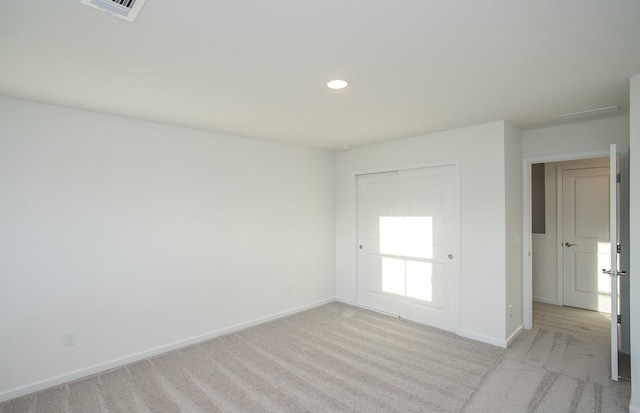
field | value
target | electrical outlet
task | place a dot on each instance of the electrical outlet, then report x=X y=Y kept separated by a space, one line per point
x=510 y=311
x=69 y=338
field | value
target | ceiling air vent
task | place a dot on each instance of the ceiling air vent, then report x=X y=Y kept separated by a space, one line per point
x=125 y=9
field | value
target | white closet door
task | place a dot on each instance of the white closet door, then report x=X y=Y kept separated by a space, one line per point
x=376 y=200
x=430 y=207
x=408 y=234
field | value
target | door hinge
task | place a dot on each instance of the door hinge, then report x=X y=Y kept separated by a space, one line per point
x=619 y=319
x=619 y=249
x=617 y=177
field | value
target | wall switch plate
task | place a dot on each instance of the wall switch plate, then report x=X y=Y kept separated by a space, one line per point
x=69 y=338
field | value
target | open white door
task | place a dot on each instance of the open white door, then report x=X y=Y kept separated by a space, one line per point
x=613 y=271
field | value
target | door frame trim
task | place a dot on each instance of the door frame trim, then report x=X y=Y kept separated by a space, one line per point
x=354 y=229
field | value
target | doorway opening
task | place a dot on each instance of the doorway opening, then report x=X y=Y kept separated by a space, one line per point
x=570 y=233
x=548 y=257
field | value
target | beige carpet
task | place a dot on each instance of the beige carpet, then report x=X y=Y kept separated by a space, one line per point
x=339 y=358
x=561 y=365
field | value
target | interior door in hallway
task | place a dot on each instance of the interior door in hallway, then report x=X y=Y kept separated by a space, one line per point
x=408 y=240
x=586 y=246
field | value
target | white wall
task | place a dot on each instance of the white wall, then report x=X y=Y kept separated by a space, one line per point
x=513 y=235
x=584 y=136
x=544 y=271
x=142 y=237
x=634 y=406
x=481 y=153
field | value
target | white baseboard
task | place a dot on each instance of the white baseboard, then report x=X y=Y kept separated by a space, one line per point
x=545 y=300
x=345 y=301
x=97 y=368
x=634 y=409
x=515 y=334
x=482 y=338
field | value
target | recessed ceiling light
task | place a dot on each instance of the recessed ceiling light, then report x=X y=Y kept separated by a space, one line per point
x=339 y=83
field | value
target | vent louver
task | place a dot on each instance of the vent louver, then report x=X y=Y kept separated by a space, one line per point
x=126 y=9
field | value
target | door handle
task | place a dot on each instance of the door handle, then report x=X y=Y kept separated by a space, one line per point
x=621 y=273
x=568 y=244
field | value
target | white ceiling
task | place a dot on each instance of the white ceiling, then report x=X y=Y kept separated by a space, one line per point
x=258 y=68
